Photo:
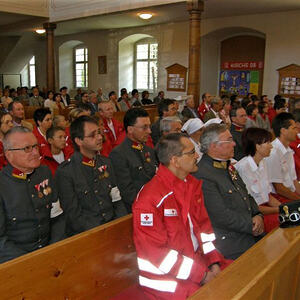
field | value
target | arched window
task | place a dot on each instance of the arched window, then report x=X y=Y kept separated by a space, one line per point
x=28 y=73
x=146 y=64
x=81 y=67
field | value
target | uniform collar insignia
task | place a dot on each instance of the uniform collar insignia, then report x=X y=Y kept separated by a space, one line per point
x=137 y=146
x=18 y=174
x=237 y=127
x=220 y=164
x=88 y=162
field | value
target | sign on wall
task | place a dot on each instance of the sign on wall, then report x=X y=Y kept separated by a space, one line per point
x=242 y=65
x=176 y=78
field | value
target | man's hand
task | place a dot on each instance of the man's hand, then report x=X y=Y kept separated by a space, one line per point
x=215 y=268
x=257 y=225
x=207 y=277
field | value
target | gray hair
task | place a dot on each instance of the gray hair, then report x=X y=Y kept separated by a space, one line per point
x=103 y=102
x=169 y=146
x=215 y=100
x=165 y=123
x=7 y=137
x=211 y=135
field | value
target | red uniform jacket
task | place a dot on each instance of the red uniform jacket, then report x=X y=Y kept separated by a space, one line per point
x=202 y=110
x=3 y=161
x=48 y=160
x=42 y=142
x=69 y=143
x=171 y=264
x=271 y=114
x=296 y=147
x=119 y=131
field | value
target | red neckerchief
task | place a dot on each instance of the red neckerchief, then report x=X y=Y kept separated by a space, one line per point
x=237 y=127
x=252 y=118
x=127 y=103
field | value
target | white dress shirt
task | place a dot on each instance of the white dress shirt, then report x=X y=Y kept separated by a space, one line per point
x=256 y=178
x=281 y=165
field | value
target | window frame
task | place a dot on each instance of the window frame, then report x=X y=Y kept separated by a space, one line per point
x=29 y=71
x=85 y=62
x=148 y=41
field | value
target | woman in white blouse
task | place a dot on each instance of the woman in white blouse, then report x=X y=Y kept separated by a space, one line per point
x=252 y=168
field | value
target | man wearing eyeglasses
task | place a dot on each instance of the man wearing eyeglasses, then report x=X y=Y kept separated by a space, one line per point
x=133 y=161
x=171 y=229
x=234 y=214
x=86 y=182
x=28 y=198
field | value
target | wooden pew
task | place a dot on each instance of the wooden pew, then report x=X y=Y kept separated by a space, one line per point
x=29 y=111
x=268 y=271
x=101 y=263
x=97 y=264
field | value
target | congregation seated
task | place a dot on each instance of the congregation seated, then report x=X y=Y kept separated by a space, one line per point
x=16 y=109
x=252 y=112
x=165 y=108
x=93 y=103
x=65 y=97
x=145 y=98
x=36 y=99
x=112 y=96
x=43 y=120
x=280 y=163
x=134 y=162
x=216 y=105
x=262 y=119
x=234 y=214
x=170 y=125
x=113 y=129
x=6 y=123
x=5 y=99
x=238 y=120
x=160 y=96
x=189 y=110
x=56 y=150
x=135 y=98
x=124 y=101
x=253 y=170
x=204 y=107
x=194 y=128
x=86 y=182
x=279 y=107
x=30 y=215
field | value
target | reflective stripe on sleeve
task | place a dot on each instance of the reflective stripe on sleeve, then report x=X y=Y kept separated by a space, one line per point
x=207 y=237
x=169 y=261
x=159 y=285
x=208 y=247
x=145 y=265
x=185 y=268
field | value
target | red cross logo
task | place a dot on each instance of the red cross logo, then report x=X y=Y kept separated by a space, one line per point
x=146 y=218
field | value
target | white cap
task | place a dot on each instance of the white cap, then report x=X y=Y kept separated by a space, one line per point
x=213 y=121
x=192 y=125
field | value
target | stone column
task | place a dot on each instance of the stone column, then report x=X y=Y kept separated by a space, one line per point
x=50 y=27
x=195 y=8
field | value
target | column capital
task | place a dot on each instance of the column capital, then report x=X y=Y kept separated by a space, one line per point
x=195 y=6
x=49 y=26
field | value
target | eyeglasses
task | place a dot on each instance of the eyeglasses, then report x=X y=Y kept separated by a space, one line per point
x=144 y=128
x=192 y=152
x=94 y=134
x=26 y=149
x=225 y=142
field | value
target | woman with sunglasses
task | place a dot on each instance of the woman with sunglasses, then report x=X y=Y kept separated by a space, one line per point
x=252 y=168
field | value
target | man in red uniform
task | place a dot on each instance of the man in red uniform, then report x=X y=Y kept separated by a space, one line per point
x=172 y=232
x=204 y=107
x=113 y=129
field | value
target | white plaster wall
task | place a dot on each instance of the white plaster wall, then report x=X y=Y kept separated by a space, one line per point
x=280 y=29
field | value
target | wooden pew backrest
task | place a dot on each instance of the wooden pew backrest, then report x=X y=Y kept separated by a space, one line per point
x=96 y=264
x=267 y=271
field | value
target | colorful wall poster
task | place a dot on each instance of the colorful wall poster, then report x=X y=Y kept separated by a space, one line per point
x=235 y=82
